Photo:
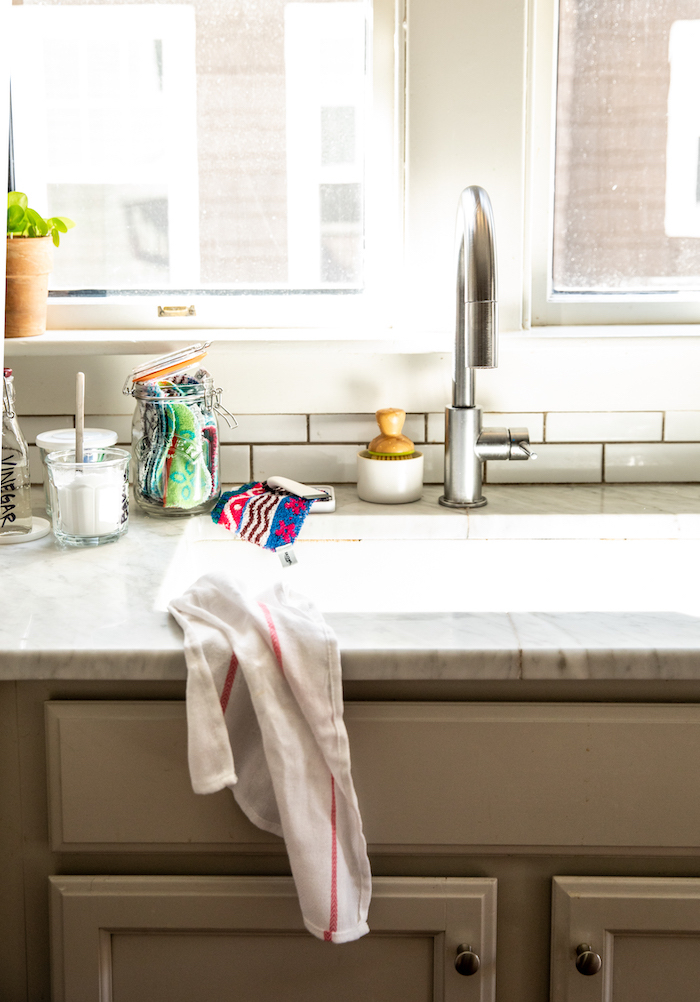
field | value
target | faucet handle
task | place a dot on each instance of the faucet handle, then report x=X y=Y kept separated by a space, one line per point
x=520 y=444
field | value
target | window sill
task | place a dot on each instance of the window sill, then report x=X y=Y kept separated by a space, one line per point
x=153 y=342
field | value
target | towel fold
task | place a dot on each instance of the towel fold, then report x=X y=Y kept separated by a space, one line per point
x=265 y=718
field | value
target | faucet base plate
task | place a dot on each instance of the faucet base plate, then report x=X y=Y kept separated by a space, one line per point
x=447 y=503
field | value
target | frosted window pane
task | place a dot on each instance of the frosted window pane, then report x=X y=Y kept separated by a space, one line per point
x=628 y=124
x=337 y=136
x=192 y=143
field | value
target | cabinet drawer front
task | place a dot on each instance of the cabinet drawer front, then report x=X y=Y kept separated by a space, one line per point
x=175 y=939
x=441 y=775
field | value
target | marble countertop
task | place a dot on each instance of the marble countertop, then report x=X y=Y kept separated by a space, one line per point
x=546 y=582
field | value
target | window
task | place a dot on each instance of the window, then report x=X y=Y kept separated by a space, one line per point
x=621 y=189
x=210 y=152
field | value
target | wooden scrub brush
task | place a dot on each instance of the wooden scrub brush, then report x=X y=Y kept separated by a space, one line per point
x=391 y=444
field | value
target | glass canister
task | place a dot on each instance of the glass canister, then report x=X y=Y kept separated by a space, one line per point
x=62 y=439
x=175 y=439
x=89 y=499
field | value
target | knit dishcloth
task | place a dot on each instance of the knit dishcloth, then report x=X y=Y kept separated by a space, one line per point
x=177 y=456
x=263 y=515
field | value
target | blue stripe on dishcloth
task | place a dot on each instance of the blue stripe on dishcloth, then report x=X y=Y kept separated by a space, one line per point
x=287 y=521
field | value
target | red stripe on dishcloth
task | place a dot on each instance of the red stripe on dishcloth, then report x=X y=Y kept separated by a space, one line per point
x=333 y=924
x=228 y=684
x=273 y=635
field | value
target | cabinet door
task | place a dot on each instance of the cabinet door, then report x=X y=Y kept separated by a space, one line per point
x=206 y=939
x=646 y=932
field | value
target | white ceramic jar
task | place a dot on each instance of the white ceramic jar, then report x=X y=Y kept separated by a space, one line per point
x=389 y=481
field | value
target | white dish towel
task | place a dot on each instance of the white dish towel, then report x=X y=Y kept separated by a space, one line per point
x=272 y=665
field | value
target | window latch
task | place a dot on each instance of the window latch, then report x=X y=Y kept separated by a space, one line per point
x=177 y=311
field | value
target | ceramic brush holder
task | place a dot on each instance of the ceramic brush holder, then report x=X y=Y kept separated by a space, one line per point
x=399 y=481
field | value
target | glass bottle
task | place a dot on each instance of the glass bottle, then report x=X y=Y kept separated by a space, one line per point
x=15 y=499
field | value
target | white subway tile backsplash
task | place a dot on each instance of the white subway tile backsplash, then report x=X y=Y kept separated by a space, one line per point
x=235 y=464
x=265 y=428
x=359 y=429
x=676 y=462
x=533 y=422
x=326 y=464
x=120 y=423
x=433 y=463
x=682 y=426
x=436 y=427
x=604 y=426
x=33 y=426
x=555 y=464
x=47 y=385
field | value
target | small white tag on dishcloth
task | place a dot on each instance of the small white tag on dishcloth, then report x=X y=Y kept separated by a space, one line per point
x=287 y=555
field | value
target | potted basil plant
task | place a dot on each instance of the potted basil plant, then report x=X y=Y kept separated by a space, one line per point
x=30 y=241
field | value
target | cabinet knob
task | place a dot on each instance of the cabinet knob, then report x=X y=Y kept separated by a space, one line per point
x=466 y=961
x=587 y=960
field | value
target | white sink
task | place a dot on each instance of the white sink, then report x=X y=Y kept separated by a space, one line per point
x=462 y=575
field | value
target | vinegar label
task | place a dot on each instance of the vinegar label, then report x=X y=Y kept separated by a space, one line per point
x=14 y=499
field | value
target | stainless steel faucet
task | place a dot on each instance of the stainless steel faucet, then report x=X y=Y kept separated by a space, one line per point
x=467 y=445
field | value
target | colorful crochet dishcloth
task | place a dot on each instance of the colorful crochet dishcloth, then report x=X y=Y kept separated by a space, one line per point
x=266 y=516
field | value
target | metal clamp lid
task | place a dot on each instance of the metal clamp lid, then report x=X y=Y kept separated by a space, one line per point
x=165 y=365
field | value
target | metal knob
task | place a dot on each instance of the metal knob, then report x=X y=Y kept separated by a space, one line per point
x=466 y=961
x=520 y=444
x=587 y=960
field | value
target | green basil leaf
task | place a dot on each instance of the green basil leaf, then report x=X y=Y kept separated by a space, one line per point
x=38 y=222
x=15 y=216
x=17 y=198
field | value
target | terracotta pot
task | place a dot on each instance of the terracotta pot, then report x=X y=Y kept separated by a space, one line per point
x=29 y=261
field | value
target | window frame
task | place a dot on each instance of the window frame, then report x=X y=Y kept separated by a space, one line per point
x=542 y=306
x=443 y=74
x=339 y=314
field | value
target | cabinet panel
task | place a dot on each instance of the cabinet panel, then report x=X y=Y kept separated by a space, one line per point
x=118 y=778
x=646 y=932
x=427 y=774
x=148 y=939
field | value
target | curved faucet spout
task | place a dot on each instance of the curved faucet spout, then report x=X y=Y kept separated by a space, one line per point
x=476 y=326
x=467 y=444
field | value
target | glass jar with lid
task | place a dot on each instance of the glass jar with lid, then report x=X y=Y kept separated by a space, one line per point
x=175 y=435
x=61 y=439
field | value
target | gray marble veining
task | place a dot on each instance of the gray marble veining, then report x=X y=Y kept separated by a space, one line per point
x=94 y=613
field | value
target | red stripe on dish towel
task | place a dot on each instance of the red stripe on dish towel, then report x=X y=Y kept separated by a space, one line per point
x=228 y=684
x=273 y=635
x=333 y=924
